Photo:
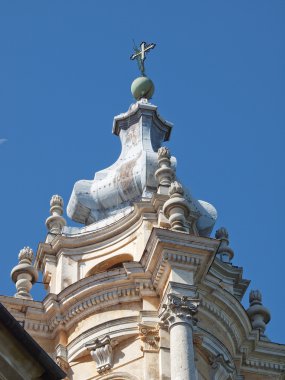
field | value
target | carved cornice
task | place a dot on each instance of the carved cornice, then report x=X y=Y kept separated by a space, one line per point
x=127 y=326
x=62 y=311
x=119 y=229
x=104 y=299
x=264 y=365
x=230 y=273
x=270 y=357
x=168 y=258
x=225 y=320
x=166 y=249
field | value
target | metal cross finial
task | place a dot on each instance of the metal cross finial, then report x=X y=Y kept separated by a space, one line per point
x=140 y=55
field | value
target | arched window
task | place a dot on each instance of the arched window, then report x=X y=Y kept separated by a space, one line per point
x=110 y=264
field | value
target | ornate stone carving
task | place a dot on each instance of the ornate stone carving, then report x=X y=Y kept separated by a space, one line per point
x=26 y=255
x=225 y=253
x=56 y=222
x=258 y=314
x=176 y=209
x=149 y=335
x=163 y=152
x=180 y=309
x=56 y=202
x=24 y=274
x=164 y=174
x=176 y=188
x=221 y=368
x=102 y=353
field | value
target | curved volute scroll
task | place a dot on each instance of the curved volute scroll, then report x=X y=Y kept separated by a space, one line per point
x=24 y=274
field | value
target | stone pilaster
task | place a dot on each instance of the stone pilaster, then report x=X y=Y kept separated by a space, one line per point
x=178 y=314
x=61 y=358
x=149 y=335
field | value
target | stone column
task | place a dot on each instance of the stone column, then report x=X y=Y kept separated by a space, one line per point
x=178 y=314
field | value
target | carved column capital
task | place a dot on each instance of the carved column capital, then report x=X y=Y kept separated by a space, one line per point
x=101 y=351
x=61 y=358
x=179 y=309
x=149 y=335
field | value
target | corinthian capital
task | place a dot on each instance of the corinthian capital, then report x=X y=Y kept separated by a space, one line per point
x=179 y=309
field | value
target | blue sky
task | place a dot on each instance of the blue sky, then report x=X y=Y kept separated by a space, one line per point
x=218 y=69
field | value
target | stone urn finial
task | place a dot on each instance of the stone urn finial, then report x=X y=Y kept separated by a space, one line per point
x=56 y=222
x=258 y=314
x=176 y=208
x=225 y=253
x=24 y=274
x=164 y=174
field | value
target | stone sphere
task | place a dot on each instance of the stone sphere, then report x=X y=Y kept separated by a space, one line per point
x=142 y=87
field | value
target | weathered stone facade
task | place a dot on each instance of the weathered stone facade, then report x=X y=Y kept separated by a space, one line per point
x=141 y=291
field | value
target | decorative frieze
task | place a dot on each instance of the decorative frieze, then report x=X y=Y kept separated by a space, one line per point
x=149 y=335
x=101 y=351
x=264 y=365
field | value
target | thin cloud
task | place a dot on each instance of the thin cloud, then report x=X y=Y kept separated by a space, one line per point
x=2 y=141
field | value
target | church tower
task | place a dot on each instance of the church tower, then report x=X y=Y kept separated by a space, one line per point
x=141 y=291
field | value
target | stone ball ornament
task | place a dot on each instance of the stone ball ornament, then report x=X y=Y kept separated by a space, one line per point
x=142 y=87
